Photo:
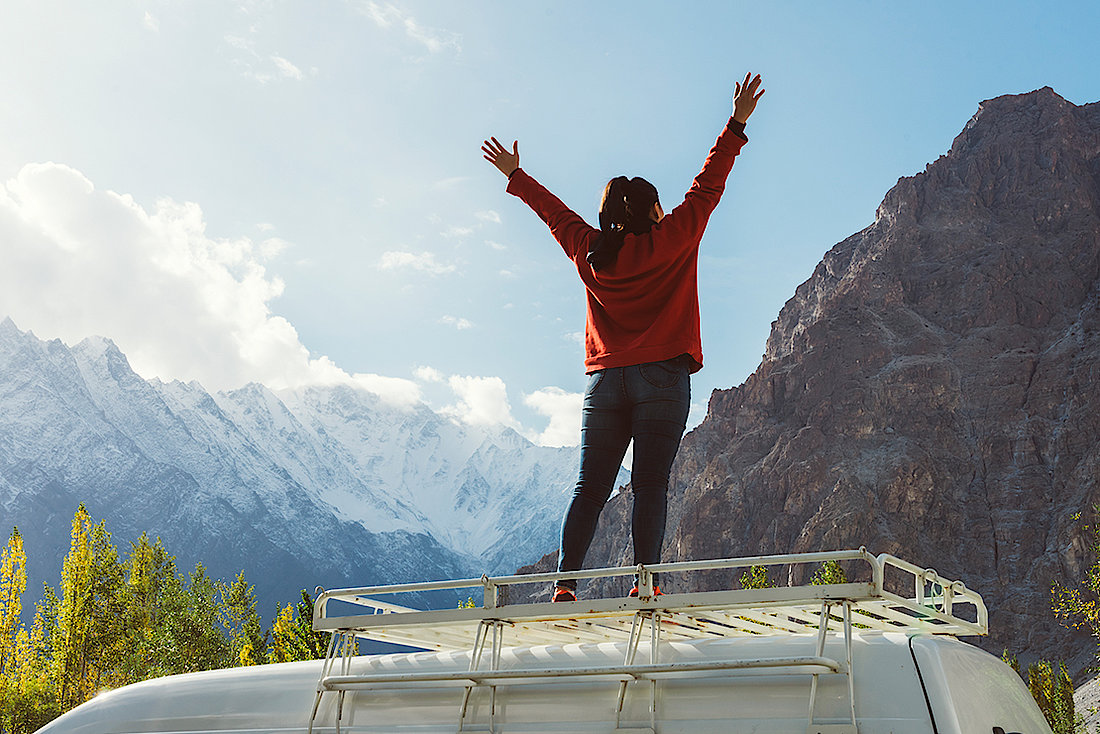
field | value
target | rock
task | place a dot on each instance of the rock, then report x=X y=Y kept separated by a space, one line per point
x=1086 y=704
x=930 y=391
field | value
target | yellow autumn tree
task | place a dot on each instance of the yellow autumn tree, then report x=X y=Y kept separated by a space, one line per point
x=13 y=582
x=242 y=623
x=88 y=627
x=292 y=635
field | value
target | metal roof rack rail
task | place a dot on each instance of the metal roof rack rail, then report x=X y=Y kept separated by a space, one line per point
x=937 y=606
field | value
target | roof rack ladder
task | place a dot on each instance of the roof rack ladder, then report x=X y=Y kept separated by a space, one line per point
x=488 y=628
x=341 y=645
x=636 y=627
x=823 y=627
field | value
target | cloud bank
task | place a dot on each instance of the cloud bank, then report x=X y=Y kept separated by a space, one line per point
x=76 y=261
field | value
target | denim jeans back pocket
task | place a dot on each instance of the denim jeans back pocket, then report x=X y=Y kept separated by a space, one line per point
x=662 y=374
x=594 y=380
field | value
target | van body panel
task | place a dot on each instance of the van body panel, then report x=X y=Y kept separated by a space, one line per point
x=970 y=692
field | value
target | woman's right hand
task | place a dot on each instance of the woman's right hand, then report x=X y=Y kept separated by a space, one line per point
x=745 y=97
x=498 y=155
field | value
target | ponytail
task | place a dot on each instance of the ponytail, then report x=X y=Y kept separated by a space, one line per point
x=624 y=209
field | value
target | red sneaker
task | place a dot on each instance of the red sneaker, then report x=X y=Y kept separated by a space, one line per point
x=563 y=594
x=656 y=591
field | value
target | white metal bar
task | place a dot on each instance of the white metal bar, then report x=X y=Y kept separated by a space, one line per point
x=631 y=651
x=822 y=629
x=848 y=660
x=727 y=563
x=654 y=652
x=635 y=672
x=781 y=610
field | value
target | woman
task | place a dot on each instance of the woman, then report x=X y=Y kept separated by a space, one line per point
x=641 y=335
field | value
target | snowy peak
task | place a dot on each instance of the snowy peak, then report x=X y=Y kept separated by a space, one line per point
x=321 y=485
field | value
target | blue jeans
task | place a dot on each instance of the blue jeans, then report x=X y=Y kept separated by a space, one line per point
x=649 y=403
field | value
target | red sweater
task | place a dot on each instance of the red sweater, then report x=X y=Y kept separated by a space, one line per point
x=643 y=307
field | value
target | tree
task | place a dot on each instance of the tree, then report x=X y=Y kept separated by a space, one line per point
x=117 y=621
x=88 y=623
x=239 y=619
x=1078 y=606
x=1053 y=691
x=829 y=572
x=13 y=582
x=292 y=635
x=756 y=577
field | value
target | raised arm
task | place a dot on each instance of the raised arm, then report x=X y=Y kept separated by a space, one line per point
x=498 y=155
x=690 y=217
x=745 y=98
x=571 y=232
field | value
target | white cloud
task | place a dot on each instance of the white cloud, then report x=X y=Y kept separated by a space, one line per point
x=459 y=323
x=237 y=42
x=150 y=22
x=394 y=390
x=76 y=261
x=576 y=337
x=272 y=247
x=428 y=374
x=482 y=401
x=259 y=68
x=488 y=216
x=564 y=411
x=496 y=245
x=434 y=40
x=287 y=69
x=456 y=231
x=424 y=262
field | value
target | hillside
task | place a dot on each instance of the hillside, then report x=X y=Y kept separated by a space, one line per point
x=930 y=391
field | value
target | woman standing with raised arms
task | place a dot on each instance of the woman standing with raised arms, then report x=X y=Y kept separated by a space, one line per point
x=642 y=336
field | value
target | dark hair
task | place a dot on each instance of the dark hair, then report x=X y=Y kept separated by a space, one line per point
x=624 y=209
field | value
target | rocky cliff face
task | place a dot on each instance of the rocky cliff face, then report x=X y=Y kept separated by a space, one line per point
x=931 y=390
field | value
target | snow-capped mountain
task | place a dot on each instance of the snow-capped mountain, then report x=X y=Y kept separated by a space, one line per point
x=319 y=486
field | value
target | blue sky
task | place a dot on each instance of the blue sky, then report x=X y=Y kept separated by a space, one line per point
x=292 y=192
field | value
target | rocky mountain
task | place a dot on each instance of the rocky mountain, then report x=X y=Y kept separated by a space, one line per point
x=931 y=390
x=318 y=486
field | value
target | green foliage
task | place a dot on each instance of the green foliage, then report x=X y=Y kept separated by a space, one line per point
x=830 y=572
x=1078 y=607
x=115 y=621
x=756 y=577
x=292 y=635
x=1052 y=689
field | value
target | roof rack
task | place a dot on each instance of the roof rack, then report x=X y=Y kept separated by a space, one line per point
x=805 y=609
x=937 y=605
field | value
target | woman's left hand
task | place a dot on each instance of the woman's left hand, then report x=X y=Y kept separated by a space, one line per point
x=499 y=156
x=745 y=97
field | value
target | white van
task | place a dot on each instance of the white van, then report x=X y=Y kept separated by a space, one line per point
x=844 y=658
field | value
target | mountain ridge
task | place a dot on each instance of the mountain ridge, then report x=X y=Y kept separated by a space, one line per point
x=929 y=391
x=319 y=486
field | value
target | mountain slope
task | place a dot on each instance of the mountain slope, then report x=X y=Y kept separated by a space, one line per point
x=930 y=391
x=321 y=486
